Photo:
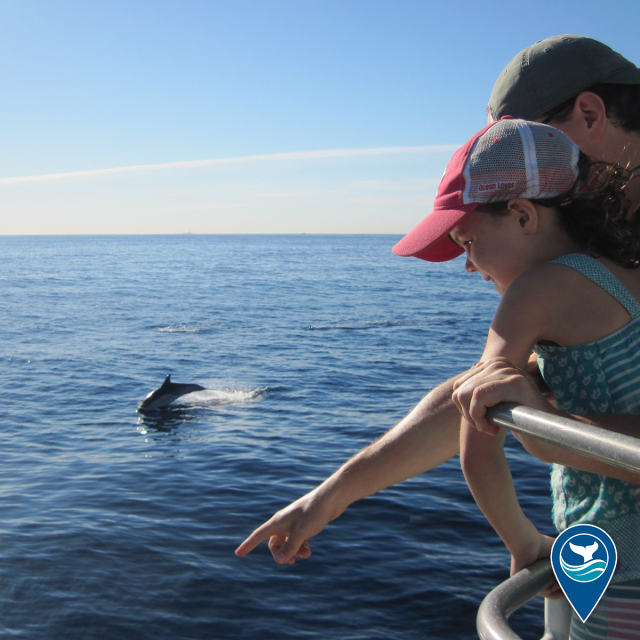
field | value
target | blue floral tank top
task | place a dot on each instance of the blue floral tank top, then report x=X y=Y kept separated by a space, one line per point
x=598 y=377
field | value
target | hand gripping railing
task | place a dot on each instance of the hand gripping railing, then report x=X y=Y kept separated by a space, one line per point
x=594 y=442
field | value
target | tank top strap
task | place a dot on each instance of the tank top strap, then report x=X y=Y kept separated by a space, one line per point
x=598 y=273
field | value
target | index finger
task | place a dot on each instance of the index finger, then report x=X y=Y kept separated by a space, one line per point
x=260 y=535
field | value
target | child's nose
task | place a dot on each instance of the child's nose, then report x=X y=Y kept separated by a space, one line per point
x=469 y=266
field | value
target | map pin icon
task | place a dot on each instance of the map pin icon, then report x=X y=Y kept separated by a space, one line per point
x=584 y=558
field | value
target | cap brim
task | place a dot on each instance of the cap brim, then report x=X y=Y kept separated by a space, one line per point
x=430 y=240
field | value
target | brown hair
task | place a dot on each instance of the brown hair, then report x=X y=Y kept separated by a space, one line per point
x=621 y=101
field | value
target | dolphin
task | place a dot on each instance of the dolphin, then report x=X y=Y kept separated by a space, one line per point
x=585 y=552
x=166 y=394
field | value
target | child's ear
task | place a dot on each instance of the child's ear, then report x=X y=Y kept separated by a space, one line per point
x=526 y=214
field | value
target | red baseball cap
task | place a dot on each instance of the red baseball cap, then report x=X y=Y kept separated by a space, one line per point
x=507 y=159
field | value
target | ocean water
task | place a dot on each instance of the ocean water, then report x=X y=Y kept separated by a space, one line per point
x=117 y=525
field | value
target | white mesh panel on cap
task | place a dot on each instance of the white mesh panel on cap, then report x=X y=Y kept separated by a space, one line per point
x=531 y=161
x=516 y=158
x=557 y=161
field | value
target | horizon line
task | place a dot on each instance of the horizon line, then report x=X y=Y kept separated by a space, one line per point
x=197 y=233
x=293 y=155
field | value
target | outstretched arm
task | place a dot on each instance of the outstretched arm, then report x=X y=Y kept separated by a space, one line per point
x=423 y=440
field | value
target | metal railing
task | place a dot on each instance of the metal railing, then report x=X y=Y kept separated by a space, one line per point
x=594 y=442
x=513 y=593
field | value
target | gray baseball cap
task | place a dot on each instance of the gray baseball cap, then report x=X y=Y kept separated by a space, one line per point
x=551 y=71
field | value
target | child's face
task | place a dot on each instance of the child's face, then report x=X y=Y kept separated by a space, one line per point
x=495 y=245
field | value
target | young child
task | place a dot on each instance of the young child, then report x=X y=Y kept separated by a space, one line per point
x=549 y=229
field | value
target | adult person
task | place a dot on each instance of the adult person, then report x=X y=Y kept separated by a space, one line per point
x=592 y=94
x=583 y=88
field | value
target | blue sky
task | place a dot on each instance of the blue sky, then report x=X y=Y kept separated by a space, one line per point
x=311 y=116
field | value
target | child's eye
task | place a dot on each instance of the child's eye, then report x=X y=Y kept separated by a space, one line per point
x=460 y=241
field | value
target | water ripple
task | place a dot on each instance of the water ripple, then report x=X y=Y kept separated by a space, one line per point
x=117 y=525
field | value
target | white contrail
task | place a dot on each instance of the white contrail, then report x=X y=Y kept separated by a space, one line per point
x=295 y=155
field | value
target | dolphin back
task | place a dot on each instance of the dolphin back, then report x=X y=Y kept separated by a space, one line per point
x=178 y=389
x=182 y=389
x=167 y=393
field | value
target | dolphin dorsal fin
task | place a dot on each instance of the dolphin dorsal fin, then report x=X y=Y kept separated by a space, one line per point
x=167 y=381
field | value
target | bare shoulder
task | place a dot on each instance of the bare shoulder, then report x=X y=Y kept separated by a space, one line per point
x=546 y=285
x=532 y=299
x=565 y=306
